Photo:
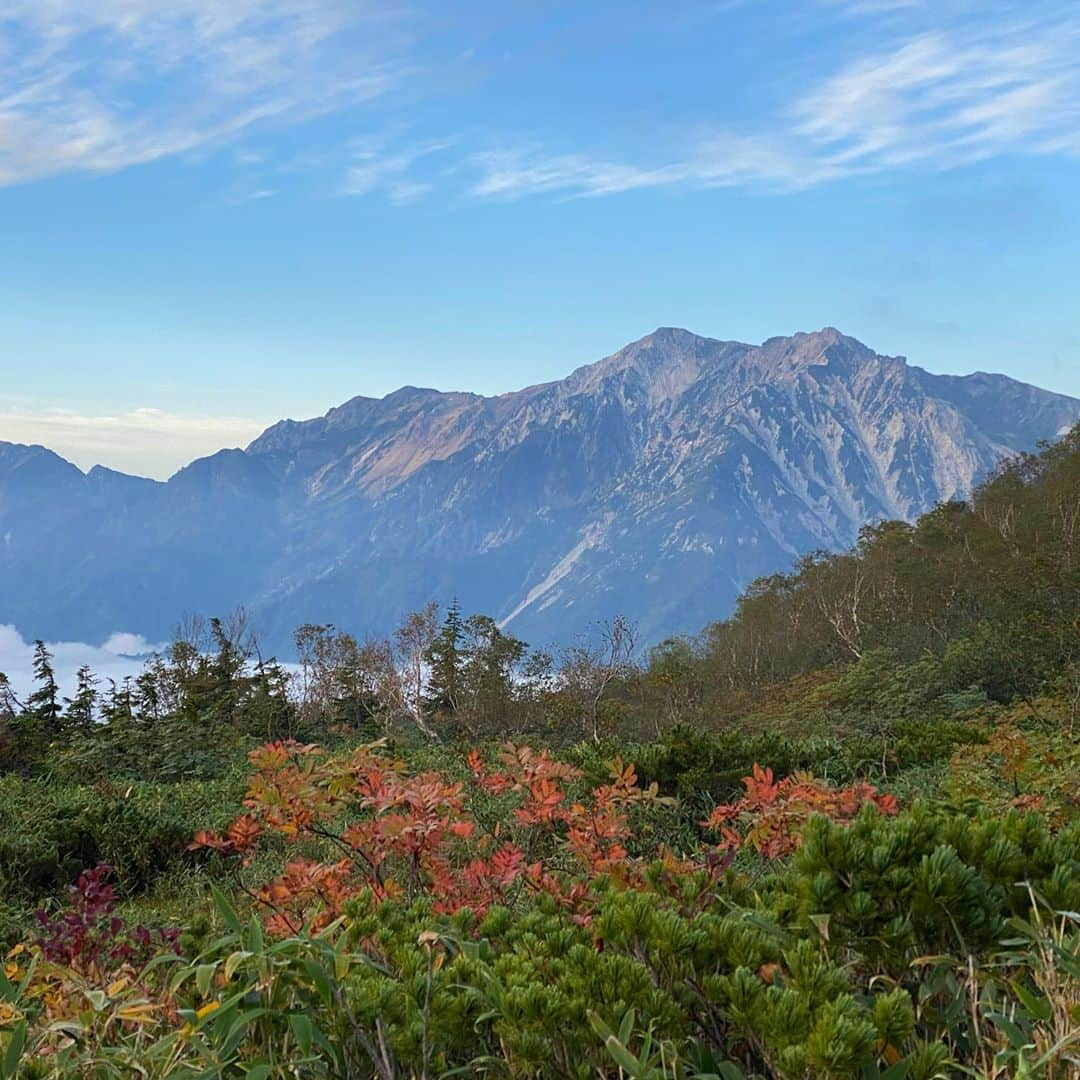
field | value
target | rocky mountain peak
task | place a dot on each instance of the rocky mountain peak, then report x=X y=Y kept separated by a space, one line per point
x=663 y=364
x=654 y=483
x=29 y=466
x=818 y=348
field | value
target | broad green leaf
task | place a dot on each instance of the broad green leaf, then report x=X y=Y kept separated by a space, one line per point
x=303 y=1029
x=622 y=1057
x=204 y=978
x=13 y=1053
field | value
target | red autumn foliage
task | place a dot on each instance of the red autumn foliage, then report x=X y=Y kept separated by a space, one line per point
x=405 y=836
x=771 y=816
x=307 y=894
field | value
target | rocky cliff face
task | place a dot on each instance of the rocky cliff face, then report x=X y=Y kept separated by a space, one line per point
x=655 y=483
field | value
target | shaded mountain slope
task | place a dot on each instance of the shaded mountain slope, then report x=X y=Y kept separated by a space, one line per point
x=656 y=482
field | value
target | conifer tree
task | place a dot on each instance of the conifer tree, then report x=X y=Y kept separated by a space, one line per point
x=9 y=703
x=81 y=710
x=267 y=711
x=43 y=705
x=9 y=712
x=149 y=685
x=118 y=707
x=445 y=659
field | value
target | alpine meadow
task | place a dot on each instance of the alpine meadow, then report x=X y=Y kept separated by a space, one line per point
x=550 y=707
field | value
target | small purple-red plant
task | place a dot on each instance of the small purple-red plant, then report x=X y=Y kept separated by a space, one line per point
x=87 y=934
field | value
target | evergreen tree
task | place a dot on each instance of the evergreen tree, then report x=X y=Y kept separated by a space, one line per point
x=266 y=710
x=9 y=703
x=445 y=659
x=224 y=672
x=151 y=691
x=43 y=705
x=9 y=712
x=81 y=710
x=118 y=707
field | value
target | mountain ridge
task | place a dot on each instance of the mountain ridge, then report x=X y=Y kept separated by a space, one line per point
x=656 y=481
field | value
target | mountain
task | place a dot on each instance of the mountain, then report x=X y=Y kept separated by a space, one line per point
x=655 y=483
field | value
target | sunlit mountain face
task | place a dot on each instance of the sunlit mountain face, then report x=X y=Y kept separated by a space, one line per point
x=656 y=484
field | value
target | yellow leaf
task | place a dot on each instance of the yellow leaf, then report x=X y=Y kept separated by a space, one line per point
x=119 y=986
x=138 y=1014
x=233 y=962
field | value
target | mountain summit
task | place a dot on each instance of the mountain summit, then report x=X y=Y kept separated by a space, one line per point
x=656 y=483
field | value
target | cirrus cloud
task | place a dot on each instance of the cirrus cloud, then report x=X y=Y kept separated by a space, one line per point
x=884 y=85
x=99 y=87
x=936 y=99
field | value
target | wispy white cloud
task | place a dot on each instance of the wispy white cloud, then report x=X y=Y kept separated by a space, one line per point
x=146 y=441
x=95 y=87
x=375 y=165
x=716 y=160
x=946 y=100
x=874 y=7
x=510 y=173
x=934 y=99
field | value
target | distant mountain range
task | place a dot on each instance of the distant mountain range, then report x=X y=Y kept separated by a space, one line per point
x=655 y=483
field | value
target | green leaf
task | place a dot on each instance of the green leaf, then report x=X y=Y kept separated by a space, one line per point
x=622 y=1057
x=1017 y=1038
x=255 y=935
x=303 y=1029
x=320 y=980
x=225 y=910
x=239 y=1029
x=13 y=1054
x=1039 y=1007
x=595 y=1022
x=730 y=1071
x=204 y=978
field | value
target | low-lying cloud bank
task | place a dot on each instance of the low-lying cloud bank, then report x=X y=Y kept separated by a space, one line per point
x=144 y=442
x=121 y=655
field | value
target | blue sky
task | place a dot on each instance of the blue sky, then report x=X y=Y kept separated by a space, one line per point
x=215 y=213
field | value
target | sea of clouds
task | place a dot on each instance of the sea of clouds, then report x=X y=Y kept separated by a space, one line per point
x=120 y=655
